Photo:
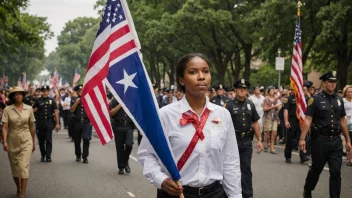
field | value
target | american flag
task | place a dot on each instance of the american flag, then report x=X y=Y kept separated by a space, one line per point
x=296 y=77
x=76 y=77
x=3 y=80
x=22 y=81
x=116 y=62
x=55 y=80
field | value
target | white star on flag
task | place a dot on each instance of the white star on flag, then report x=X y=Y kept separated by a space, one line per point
x=127 y=80
x=121 y=17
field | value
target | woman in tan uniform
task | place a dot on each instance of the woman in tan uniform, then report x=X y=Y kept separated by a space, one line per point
x=19 y=138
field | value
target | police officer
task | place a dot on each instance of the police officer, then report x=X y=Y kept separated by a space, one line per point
x=326 y=114
x=123 y=130
x=82 y=129
x=47 y=116
x=244 y=117
x=293 y=128
x=220 y=99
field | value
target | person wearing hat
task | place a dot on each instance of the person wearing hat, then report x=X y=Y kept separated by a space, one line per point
x=19 y=138
x=230 y=92
x=82 y=129
x=293 y=129
x=220 y=99
x=48 y=119
x=327 y=116
x=244 y=117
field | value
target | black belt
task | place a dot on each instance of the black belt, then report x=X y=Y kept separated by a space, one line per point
x=202 y=190
x=329 y=132
x=243 y=134
x=123 y=123
x=82 y=120
x=45 y=118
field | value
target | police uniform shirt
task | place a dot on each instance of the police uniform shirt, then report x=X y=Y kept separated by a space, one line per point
x=46 y=107
x=29 y=100
x=290 y=106
x=326 y=110
x=220 y=100
x=80 y=113
x=243 y=114
x=121 y=114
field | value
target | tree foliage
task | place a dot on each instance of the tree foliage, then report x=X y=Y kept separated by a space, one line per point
x=21 y=40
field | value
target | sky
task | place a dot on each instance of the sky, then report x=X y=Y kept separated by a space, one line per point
x=58 y=12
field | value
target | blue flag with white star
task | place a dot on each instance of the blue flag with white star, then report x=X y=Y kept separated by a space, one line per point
x=128 y=81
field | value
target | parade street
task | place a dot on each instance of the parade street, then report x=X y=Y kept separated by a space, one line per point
x=66 y=178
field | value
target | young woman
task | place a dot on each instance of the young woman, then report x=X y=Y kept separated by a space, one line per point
x=19 y=138
x=347 y=99
x=214 y=158
x=271 y=107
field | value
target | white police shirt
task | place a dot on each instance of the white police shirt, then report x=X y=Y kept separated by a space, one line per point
x=215 y=158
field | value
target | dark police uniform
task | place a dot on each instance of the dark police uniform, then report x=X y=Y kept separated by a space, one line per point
x=45 y=124
x=82 y=129
x=243 y=115
x=326 y=145
x=123 y=130
x=220 y=100
x=29 y=100
x=293 y=133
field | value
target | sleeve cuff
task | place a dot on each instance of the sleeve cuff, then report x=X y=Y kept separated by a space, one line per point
x=159 y=178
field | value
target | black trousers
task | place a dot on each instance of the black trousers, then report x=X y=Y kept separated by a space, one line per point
x=82 y=131
x=65 y=117
x=245 y=150
x=124 y=144
x=45 y=137
x=217 y=193
x=292 y=137
x=325 y=149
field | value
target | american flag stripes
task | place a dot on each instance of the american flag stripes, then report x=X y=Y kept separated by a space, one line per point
x=296 y=77
x=116 y=62
x=76 y=77
x=22 y=81
x=55 y=80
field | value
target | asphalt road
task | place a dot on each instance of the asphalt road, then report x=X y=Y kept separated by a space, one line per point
x=66 y=178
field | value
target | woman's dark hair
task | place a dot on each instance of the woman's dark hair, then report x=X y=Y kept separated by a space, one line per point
x=181 y=66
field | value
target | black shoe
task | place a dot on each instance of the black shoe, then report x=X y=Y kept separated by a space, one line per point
x=78 y=159
x=288 y=161
x=85 y=160
x=42 y=160
x=121 y=172
x=307 y=194
x=48 y=159
x=127 y=169
x=304 y=159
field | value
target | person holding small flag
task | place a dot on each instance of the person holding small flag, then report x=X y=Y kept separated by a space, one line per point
x=202 y=140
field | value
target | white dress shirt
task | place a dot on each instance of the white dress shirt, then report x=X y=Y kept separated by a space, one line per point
x=66 y=103
x=215 y=158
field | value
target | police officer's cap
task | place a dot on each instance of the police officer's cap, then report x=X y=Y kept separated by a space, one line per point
x=219 y=87
x=229 y=88
x=308 y=84
x=78 y=87
x=45 y=88
x=242 y=84
x=331 y=76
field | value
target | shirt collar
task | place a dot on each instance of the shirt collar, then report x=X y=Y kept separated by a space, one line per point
x=25 y=107
x=184 y=105
x=328 y=95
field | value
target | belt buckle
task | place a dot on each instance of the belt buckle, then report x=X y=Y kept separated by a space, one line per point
x=200 y=191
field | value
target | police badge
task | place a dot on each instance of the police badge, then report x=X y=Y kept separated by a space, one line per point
x=49 y=101
x=338 y=102
x=248 y=106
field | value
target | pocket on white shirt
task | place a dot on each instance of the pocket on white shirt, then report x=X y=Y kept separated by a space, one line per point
x=216 y=140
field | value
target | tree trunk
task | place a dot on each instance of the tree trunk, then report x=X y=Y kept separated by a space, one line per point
x=342 y=73
x=238 y=65
x=247 y=61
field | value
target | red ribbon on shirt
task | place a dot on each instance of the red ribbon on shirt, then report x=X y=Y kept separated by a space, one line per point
x=198 y=125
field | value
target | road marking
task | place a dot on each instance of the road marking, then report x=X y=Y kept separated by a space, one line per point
x=135 y=159
x=130 y=194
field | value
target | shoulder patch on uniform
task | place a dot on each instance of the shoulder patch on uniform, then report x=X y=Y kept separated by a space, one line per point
x=310 y=101
x=285 y=100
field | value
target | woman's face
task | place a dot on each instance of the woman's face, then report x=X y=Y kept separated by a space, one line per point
x=18 y=97
x=349 y=93
x=271 y=92
x=196 y=79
